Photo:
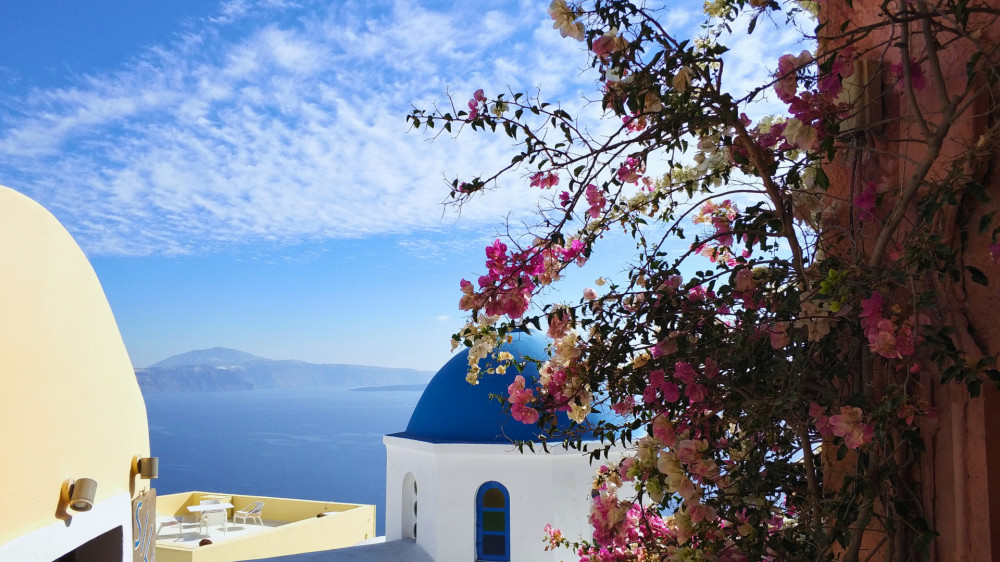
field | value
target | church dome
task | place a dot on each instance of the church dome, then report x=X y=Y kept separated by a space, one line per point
x=453 y=411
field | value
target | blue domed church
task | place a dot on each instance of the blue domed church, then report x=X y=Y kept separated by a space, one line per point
x=459 y=488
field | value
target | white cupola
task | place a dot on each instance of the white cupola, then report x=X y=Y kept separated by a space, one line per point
x=457 y=485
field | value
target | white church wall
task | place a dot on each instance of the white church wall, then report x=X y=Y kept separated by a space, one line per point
x=408 y=457
x=544 y=488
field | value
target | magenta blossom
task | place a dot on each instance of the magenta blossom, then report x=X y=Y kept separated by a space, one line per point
x=596 y=200
x=916 y=74
x=544 y=180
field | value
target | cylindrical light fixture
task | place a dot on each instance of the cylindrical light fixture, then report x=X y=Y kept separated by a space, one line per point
x=149 y=468
x=82 y=493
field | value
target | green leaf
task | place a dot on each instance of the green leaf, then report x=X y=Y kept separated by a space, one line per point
x=822 y=180
x=984 y=222
x=978 y=276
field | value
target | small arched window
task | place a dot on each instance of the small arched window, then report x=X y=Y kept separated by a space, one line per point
x=492 y=522
x=409 y=505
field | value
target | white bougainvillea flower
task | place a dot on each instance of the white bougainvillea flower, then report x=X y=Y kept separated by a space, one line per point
x=565 y=20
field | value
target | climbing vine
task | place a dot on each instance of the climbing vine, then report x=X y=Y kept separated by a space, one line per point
x=771 y=378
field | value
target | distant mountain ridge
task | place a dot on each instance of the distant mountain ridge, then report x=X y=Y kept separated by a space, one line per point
x=215 y=356
x=222 y=369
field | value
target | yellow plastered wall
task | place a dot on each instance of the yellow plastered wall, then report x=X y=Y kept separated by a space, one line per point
x=70 y=406
x=343 y=524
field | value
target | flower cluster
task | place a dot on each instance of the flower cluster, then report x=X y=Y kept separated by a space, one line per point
x=544 y=180
x=726 y=380
x=519 y=399
x=813 y=109
x=887 y=336
x=562 y=380
x=719 y=246
x=566 y=20
x=596 y=200
x=848 y=424
x=512 y=277
x=478 y=100
x=631 y=171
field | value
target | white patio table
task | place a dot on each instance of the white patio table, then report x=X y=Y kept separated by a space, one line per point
x=212 y=508
x=209 y=507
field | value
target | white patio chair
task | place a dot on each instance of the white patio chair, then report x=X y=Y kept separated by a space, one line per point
x=214 y=518
x=252 y=511
x=175 y=522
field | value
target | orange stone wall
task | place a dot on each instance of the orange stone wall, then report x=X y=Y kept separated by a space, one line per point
x=960 y=471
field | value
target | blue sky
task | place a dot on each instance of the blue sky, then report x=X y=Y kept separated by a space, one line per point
x=240 y=172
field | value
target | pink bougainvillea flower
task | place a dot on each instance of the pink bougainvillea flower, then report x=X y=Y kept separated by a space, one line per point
x=631 y=170
x=711 y=368
x=544 y=180
x=849 y=424
x=744 y=280
x=470 y=300
x=865 y=202
x=496 y=251
x=559 y=322
x=882 y=339
x=608 y=43
x=916 y=74
x=843 y=67
x=554 y=537
x=596 y=200
x=697 y=293
x=788 y=66
x=519 y=398
x=666 y=346
x=564 y=198
x=684 y=372
x=624 y=406
x=671 y=392
x=871 y=312
x=664 y=431
x=589 y=294
x=872 y=306
x=696 y=393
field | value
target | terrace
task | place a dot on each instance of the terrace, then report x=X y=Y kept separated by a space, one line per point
x=289 y=527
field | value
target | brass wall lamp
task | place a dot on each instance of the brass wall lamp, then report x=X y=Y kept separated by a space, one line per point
x=147 y=468
x=81 y=493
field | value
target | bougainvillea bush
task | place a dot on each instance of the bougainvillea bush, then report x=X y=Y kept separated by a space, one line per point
x=771 y=377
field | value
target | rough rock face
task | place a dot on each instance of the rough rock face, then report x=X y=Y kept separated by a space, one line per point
x=222 y=369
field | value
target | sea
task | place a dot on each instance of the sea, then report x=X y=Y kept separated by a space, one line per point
x=305 y=443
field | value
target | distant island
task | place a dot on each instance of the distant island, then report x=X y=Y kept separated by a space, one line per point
x=222 y=369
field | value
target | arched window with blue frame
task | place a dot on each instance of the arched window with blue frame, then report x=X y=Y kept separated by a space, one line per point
x=492 y=522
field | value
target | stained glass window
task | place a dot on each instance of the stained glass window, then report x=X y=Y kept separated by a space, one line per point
x=492 y=522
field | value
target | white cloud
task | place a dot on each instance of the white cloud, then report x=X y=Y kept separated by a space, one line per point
x=282 y=121
x=292 y=129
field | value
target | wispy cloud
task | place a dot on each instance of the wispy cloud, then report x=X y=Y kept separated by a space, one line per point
x=268 y=121
x=283 y=121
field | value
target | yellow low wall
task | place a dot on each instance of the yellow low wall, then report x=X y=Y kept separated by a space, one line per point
x=343 y=525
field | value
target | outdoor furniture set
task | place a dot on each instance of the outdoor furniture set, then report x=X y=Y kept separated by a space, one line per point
x=212 y=512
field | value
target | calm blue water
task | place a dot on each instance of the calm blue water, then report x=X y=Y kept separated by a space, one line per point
x=307 y=443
